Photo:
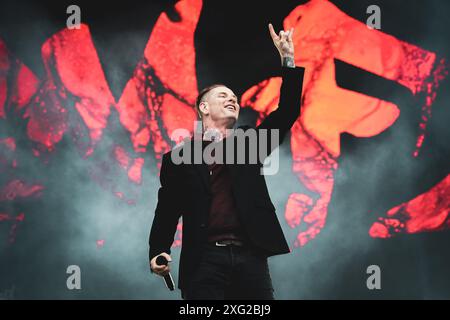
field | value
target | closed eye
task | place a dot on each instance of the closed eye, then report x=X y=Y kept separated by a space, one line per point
x=224 y=95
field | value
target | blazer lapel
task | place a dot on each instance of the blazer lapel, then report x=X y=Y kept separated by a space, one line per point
x=200 y=168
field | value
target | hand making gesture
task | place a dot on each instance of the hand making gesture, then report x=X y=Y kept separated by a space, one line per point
x=285 y=46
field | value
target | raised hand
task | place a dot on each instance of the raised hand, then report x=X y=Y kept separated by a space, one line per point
x=284 y=44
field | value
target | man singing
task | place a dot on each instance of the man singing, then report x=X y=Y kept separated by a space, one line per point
x=230 y=227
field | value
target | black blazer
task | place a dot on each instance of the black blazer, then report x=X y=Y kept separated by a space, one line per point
x=185 y=192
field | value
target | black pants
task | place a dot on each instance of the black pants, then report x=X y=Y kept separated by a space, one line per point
x=230 y=273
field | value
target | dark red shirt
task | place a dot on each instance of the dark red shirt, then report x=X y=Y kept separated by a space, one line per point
x=223 y=222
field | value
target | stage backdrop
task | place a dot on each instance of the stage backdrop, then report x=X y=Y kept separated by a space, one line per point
x=87 y=113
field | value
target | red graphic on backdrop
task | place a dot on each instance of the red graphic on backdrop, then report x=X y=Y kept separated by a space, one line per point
x=328 y=110
x=74 y=99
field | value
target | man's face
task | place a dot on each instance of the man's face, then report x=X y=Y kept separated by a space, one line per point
x=222 y=104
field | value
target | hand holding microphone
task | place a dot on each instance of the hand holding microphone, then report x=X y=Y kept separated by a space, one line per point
x=160 y=266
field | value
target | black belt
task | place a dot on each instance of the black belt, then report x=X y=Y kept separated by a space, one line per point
x=226 y=243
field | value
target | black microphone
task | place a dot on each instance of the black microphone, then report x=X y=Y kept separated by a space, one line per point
x=160 y=260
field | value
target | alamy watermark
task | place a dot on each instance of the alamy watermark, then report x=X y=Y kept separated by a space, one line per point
x=374 y=20
x=374 y=280
x=73 y=282
x=238 y=146
x=74 y=20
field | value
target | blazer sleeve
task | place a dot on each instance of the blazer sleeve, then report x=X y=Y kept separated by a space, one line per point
x=167 y=212
x=288 y=111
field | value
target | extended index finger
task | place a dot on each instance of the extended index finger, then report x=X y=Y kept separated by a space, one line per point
x=272 y=32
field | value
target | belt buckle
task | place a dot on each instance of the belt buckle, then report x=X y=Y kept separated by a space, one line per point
x=218 y=244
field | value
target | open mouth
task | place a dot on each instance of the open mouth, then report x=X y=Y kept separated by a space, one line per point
x=230 y=107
